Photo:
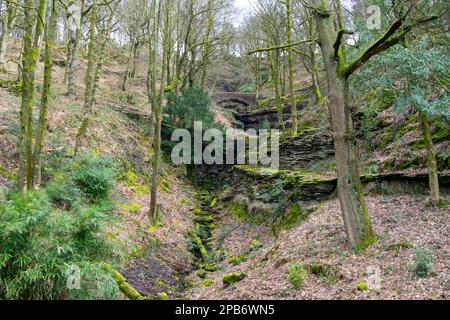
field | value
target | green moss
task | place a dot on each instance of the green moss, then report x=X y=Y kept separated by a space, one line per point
x=232 y=278
x=319 y=269
x=162 y=296
x=256 y=244
x=362 y=286
x=130 y=292
x=132 y=180
x=210 y=267
x=294 y=215
x=239 y=258
x=367 y=235
x=239 y=209
x=6 y=173
x=208 y=282
x=132 y=207
x=213 y=203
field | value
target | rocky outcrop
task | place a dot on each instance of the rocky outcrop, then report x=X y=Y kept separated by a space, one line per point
x=305 y=150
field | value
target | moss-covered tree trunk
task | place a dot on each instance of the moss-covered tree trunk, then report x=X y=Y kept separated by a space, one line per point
x=291 y=67
x=274 y=57
x=73 y=63
x=431 y=160
x=9 y=18
x=101 y=56
x=42 y=123
x=89 y=79
x=354 y=211
x=35 y=52
x=207 y=43
x=158 y=116
x=26 y=103
x=312 y=56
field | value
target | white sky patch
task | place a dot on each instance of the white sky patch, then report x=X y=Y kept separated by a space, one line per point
x=243 y=8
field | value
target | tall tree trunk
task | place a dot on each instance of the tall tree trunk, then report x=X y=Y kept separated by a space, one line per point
x=354 y=211
x=7 y=25
x=312 y=55
x=129 y=67
x=152 y=59
x=26 y=104
x=134 y=60
x=275 y=62
x=72 y=77
x=431 y=160
x=158 y=117
x=101 y=59
x=89 y=79
x=42 y=124
x=291 y=68
x=207 y=44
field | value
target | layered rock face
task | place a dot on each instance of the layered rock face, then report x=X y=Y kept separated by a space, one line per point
x=303 y=151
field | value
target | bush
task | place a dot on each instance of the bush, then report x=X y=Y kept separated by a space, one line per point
x=64 y=193
x=95 y=176
x=423 y=261
x=40 y=244
x=297 y=275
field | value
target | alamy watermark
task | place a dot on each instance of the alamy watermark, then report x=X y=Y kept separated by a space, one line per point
x=252 y=148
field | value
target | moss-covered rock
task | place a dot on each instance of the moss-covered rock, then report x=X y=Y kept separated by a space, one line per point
x=162 y=296
x=232 y=278
x=362 y=286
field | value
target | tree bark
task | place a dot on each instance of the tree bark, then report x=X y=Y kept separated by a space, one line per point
x=354 y=211
x=26 y=104
x=158 y=117
x=291 y=68
x=275 y=62
x=207 y=44
x=7 y=25
x=431 y=160
x=42 y=124
x=89 y=79
x=72 y=77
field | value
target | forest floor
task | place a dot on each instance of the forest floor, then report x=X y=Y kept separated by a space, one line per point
x=401 y=222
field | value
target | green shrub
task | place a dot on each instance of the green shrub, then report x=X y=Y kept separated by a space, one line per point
x=297 y=275
x=423 y=261
x=95 y=176
x=63 y=192
x=40 y=244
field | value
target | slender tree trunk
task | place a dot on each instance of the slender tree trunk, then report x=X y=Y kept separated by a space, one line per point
x=72 y=77
x=207 y=45
x=354 y=211
x=129 y=67
x=134 y=60
x=42 y=124
x=275 y=62
x=89 y=79
x=158 y=117
x=291 y=67
x=312 y=55
x=26 y=104
x=431 y=160
x=101 y=59
x=7 y=25
x=152 y=66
